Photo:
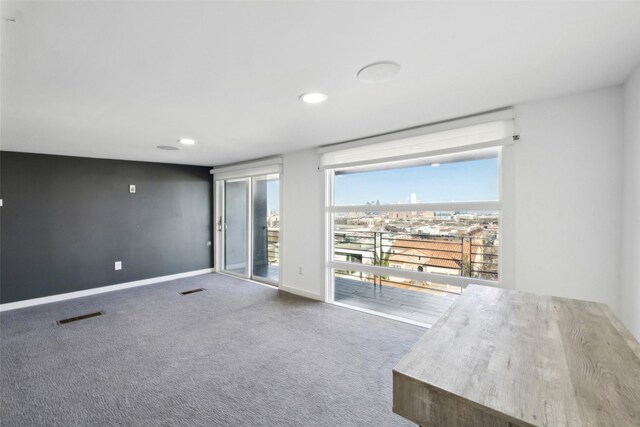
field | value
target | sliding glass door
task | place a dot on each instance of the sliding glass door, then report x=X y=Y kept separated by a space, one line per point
x=266 y=228
x=250 y=227
x=236 y=227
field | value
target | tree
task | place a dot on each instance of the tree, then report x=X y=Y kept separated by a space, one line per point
x=466 y=266
x=381 y=260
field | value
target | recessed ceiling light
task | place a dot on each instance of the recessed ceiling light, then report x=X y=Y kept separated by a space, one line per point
x=313 y=97
x=167 y=147
x=187 y=141
x=378 y=72
x=435 y=165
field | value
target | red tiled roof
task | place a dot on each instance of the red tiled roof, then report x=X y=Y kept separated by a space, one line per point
x=436 y=253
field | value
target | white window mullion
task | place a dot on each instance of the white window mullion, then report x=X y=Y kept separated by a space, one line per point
x=329 y=236
x=420 y=207
x=462 y=281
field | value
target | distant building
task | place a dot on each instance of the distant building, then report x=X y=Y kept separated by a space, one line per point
x=430 y=256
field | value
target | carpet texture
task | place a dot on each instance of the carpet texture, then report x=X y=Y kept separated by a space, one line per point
x=236 y=354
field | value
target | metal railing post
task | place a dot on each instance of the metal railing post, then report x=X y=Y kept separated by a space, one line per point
x=376 y=257
x=465 y=268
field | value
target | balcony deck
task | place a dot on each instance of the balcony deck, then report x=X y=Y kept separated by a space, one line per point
x=413 y=305
x=271 y=272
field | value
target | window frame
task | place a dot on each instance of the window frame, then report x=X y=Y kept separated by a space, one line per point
x=503 y=206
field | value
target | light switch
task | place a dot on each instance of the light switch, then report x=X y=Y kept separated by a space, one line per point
x=118 y=265
x=132 y=188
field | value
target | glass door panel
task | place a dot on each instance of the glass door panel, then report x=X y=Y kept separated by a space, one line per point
x=266 y=228
x=236 y=197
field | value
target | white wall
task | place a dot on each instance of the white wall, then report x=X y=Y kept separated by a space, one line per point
x=303 y=225
x=568 y=195
x=630 y=290
x=567 y=173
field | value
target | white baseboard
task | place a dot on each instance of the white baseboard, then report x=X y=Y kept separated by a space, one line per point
x=301 y=292
x=255 y=282
x=283 y=288
x=239 y=266
x=295 y=291
x=78 y=294
x=380 y=314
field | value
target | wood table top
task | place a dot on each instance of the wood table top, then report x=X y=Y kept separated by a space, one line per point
x=525 y=359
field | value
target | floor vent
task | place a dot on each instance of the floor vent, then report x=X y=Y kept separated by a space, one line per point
x=191 y=291
x=75 y=319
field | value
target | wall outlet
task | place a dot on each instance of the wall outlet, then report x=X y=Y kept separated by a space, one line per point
x=300 y=270
x=118 y=265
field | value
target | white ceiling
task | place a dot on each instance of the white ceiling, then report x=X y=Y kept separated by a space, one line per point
x=116 y=79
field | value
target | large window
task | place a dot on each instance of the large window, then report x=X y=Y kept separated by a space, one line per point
x=408 y=236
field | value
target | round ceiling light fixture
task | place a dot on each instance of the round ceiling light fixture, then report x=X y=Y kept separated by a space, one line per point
x=378 y=72
x=313 y=97
x=167 y=147
x=187 y=141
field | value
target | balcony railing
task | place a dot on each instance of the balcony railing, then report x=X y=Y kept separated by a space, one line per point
x=273 y=246
x=473 y=256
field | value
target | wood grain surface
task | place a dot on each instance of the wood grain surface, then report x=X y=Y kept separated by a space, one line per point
x=499 y=357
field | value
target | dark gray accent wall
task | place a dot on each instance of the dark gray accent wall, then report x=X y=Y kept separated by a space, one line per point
x=66 y=220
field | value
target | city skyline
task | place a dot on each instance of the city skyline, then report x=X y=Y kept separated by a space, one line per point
x=476 y=180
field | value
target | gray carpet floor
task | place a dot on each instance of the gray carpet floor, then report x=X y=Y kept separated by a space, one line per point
x=236 y=354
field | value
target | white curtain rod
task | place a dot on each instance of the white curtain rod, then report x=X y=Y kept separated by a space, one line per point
x=274 y=161
x=504 y=114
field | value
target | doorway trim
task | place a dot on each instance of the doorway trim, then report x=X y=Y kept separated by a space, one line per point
x=243 y=171
x=223 y=230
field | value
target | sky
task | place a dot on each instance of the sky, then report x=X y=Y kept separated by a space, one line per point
x=273 y=195
x=476 y=180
